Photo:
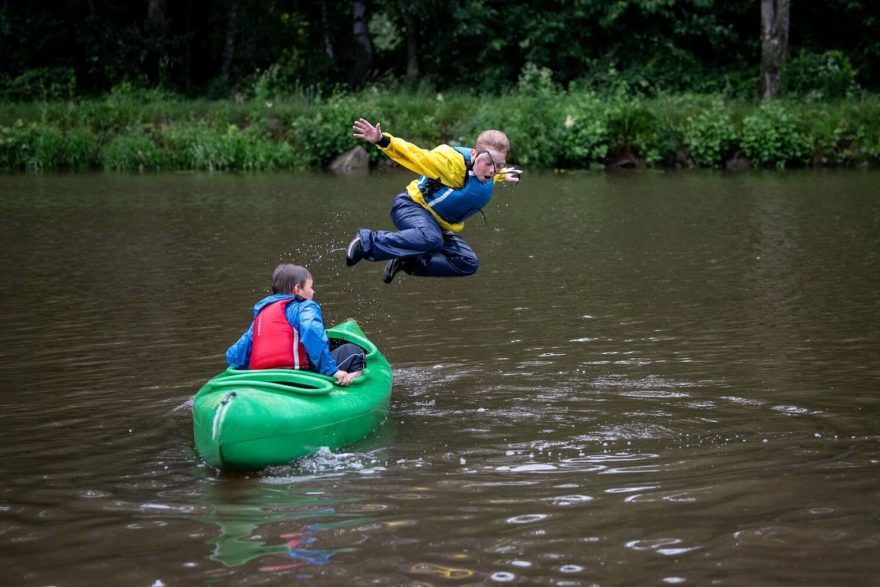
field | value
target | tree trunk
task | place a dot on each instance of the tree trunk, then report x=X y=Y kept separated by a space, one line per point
x=187 y=68
x=157 y=25
x=156 y=14
x=325 y=24
x=363 y=57
x=774 y=44
x=231 y=31
x=412 y=45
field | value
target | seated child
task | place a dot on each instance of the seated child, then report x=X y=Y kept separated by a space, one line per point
x=288 y=333
x=455 y=184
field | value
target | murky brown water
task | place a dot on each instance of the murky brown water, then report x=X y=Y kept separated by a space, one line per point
x=652 y=379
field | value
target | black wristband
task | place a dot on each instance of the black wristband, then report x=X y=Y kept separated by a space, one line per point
x=383 y=142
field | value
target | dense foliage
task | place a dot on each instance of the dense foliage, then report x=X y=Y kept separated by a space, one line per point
x=217 y=48
x=132 y=129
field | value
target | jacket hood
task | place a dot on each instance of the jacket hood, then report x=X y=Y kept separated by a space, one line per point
x=270 y=300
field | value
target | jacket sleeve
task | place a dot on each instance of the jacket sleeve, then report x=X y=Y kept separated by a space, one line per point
x=442 y=161
x=238 y=356
x=314 y=338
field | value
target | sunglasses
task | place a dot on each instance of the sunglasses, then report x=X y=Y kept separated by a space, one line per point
x=495 y=169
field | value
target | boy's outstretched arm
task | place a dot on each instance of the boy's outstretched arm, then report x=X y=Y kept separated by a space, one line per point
x=509 y=175
x=436 y=163
x=364 y=130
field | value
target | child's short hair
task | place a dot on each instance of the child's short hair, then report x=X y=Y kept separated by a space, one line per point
x=493 y=139
x=288 y=275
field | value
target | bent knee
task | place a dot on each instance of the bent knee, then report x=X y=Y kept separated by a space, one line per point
x=467 y=265
x=432 y=239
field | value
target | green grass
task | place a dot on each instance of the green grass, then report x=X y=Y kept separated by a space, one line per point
x=148 y=130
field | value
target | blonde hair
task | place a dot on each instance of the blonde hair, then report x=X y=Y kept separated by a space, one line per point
x=493 y=139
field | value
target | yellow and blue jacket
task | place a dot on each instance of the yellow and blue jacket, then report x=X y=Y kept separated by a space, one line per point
x=446 y=187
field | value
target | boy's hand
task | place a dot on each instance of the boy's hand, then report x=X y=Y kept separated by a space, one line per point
x=364 y=130
x=343 y=378
x=511 y=174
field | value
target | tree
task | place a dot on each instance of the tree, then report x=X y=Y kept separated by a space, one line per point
x=363 y=48
x=325 y=31
x=411 y=27
x=157 y=27
x=229 y=44
x=775 y=16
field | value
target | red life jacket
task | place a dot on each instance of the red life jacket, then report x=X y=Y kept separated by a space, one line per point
x=276 y=342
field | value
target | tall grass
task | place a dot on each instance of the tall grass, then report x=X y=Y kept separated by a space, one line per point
x=132 y=129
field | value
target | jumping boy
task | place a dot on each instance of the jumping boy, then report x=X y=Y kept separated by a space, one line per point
x=455 y=184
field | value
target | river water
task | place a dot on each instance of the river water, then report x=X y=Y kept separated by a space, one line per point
x=653 y=379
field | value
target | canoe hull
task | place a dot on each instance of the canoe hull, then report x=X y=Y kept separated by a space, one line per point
x=247 y=420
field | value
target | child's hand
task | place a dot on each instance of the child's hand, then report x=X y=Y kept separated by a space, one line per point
x=343 y=378
x=364 y=130
x=511 y=174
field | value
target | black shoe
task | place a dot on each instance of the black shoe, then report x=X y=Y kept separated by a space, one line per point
x=392 y=268
x=354 y=252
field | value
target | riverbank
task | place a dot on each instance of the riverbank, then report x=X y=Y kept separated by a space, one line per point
x=147 y=130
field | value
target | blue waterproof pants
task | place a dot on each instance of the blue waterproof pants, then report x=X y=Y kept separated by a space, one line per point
x=430 y=250
x=349 y=357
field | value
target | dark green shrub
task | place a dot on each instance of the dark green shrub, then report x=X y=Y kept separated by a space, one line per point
x=820 y=76
x=43 y=83
x=200 y=147
x=16 y=145
x=134 y=150
x=134 y=129
x=710 y=136
x=81 y=150
x=869 y=144
x=40 y=147
x=324 y=130
x=536 y=81
x=771 y=138
x=632 y=127
x=584 y=138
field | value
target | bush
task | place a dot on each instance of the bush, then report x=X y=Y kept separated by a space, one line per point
x=585 y=134
x=81 y=150
x=824 y=76
x=634 y=127
x=40 y=147
x=536 y=81
x=325 y=130
x=42 y=83
x=770 y=137
x=200 y=147
x=16 y=145
x=135 y=129
x=710 y=136
x=134 y=150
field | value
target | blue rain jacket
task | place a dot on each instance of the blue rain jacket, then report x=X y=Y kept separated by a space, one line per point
x=305 y=316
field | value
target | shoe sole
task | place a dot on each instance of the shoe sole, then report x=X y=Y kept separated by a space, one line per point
x=349 y=253
x=389 y=273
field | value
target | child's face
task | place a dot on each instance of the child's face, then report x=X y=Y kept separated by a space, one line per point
x=487 y=164
x=305 y=290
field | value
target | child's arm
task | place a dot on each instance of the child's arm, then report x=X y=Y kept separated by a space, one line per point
x=432 y=164
x=313 y=336
x=238 y=356
x=508 y=175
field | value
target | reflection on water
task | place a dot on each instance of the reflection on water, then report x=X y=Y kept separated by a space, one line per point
x=652 y=379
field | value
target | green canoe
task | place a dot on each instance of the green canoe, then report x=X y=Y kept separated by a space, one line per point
x=246 y=420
